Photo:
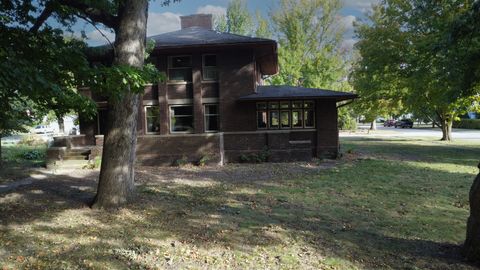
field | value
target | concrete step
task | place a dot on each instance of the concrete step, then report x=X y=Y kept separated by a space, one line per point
x=68 y=164
x=75 y=157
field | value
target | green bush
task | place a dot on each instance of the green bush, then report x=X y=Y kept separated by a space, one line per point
x=181 y=162
x=33 y=155
x=467 y=123
x=31 y=140
x=204 y=160
x=256 y=157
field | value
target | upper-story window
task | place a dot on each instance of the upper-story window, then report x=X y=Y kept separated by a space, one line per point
x=209 y=66
x=180 y=68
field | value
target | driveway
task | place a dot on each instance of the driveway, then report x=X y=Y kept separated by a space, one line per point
x=466 y=134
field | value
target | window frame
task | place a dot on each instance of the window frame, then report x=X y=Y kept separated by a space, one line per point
x=205 y=115
x=204 y=66
x=171 y=116
x=270 y=107
x=146 y=118
x=169 y=67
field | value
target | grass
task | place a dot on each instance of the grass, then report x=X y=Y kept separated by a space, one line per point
x=20 y=159
x=387 y=204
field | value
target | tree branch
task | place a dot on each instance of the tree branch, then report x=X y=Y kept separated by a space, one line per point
x=42 y=18
x=95 y=14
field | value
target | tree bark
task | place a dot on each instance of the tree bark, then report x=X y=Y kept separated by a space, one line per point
x=446 y=126
x=373 y=125
x=116 y=183
x=471 y=248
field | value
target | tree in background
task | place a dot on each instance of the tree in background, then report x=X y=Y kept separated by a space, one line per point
x=405 y=54
x=309 y=38
x=237 y=20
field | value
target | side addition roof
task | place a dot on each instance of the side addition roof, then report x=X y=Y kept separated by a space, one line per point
x=271 y=92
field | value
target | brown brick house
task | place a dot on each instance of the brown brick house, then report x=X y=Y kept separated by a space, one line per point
x=214 y=103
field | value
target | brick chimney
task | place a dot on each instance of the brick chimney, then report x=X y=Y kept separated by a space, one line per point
x=199 y=20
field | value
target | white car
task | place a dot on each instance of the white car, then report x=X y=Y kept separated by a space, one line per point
x=40 y=129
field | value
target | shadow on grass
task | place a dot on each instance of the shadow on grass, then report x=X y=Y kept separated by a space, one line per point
x=370 y=220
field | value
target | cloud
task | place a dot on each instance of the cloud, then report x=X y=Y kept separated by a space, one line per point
x=159 y=23
x=347 y=22
x=347 y=44
x=214 y=10
x=362 y=5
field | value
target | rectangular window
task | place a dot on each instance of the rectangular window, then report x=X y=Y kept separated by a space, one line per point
x=297 y=119
x=309 y=118
x=262 y=119
x=209 y=66
x=181 y=118
x=274 y=119
x=180 y=68
x=152 y=119
x=286 y=114
x=285 y=119
x=211 y=118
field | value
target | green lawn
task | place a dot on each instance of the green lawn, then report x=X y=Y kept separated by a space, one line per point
x=19 y=160
x=387 y=204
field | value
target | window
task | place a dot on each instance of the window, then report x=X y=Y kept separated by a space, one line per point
x=211 y=117
x=210 y=67
x=181 y=118
x=180 y=68
x=286 y=114
x=152 y=119
x=262 y=115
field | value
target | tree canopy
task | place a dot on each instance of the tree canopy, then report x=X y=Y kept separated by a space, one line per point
x=408 y=58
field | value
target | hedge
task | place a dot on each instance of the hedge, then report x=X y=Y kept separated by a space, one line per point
x=467 y=123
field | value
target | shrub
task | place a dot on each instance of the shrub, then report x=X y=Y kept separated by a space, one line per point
x=204 y=160
x=33 y=155
x=467 y=123
x=94 y=163
x=31 y=140
x=181 y=162
x=256 y=157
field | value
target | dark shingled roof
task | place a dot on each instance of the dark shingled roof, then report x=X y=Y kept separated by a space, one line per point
x=271 y=92
x=195 y=36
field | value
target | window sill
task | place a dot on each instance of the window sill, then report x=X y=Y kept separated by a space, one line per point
x=178 y=82
x=209 y=81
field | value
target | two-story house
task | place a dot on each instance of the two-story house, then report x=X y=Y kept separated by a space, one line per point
x=214 y=103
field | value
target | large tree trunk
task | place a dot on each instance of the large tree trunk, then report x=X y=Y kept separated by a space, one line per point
x=116 y=183
x=373 y=125
x=471 y=248
x=446 y=126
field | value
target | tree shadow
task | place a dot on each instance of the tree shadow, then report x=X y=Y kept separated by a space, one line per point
x=212 y=214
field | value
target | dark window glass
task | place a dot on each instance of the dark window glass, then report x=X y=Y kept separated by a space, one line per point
x=210 y=60
x=297 y=104
x=297 y=119
x=262 y=119
x=308 y=104
x=285 y=104
x=261 y=106
x=180 y=61
x=153 y=119
x=273 y=105
x=181 y=74
x=309 y=119
x=285 y=119
x=211 y=117
x=274 y=119
x=181 y=118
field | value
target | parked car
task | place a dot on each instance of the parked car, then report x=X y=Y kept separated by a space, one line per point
x=405 y=123
x=389 y=123
x=41 y=129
